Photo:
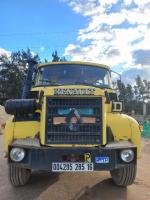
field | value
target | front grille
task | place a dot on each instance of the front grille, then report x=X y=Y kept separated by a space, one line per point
x=87 y=133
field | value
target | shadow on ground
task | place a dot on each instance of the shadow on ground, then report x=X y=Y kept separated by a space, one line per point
x=104 y=190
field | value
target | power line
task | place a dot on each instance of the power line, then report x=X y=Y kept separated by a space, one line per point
x=38 y=33
x=38 y=47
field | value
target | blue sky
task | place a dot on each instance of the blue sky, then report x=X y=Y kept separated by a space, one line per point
x=42 y=26
x=113 y=32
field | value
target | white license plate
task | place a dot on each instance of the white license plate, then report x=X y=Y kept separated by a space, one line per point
x=72 y=167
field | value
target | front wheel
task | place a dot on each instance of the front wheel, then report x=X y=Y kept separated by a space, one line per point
x=18 y=176
x=124 y=176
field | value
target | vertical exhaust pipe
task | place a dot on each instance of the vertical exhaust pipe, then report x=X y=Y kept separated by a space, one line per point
x=28 y=82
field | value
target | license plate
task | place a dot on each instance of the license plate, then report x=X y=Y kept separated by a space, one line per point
x=72 y=167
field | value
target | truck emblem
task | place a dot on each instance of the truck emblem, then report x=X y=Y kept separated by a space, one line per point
x=74 y=91
x=73 y=126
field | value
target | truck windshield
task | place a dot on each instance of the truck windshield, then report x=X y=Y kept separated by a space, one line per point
x=53 y=75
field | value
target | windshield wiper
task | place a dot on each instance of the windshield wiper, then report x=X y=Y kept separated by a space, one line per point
x=52 y=83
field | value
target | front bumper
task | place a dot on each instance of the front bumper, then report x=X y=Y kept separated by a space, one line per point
x=41 y=158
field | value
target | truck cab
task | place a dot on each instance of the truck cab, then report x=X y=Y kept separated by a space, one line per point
x=71 y=121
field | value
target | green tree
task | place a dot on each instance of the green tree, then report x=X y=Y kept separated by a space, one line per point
x=142 y=92
x=56 y=58
x=139 y=89
x=126 y=95
x=129 y=93
x=13 y=70
x=122 y=90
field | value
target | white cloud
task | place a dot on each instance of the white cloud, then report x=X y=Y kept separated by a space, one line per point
x=128 y=2
x=137 y=15
x=141 y=3
x=90 y=7
x=112 y=37
x=129 y=75
x=4 y=52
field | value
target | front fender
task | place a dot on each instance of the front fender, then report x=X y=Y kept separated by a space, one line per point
x=135 y=134
x=19 y=130
x=124 y=127
x=120 y=126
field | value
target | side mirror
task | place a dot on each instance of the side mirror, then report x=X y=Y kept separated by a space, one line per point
x=117 y=106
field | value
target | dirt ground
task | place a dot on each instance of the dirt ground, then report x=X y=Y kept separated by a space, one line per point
x=78 y=186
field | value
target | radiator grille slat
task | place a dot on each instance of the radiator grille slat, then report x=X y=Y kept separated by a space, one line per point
x=85 y=134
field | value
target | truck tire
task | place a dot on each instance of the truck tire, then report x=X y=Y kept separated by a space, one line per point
x=18 y=176
x=124 y=176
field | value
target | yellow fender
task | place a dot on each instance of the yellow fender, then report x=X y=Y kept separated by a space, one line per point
x=126 y=128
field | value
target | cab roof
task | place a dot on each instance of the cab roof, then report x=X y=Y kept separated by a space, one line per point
x=74 y=62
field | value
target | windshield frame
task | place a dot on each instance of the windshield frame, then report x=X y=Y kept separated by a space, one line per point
x=108 y=86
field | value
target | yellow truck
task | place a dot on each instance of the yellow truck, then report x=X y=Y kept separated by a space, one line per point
x=71 y=121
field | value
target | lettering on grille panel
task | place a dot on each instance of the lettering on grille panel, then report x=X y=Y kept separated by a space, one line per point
x=74 y=91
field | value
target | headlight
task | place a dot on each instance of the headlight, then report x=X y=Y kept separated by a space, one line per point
x=127 y=155
x=17 y=154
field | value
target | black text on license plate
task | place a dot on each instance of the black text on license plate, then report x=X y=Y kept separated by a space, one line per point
x=75 y=167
